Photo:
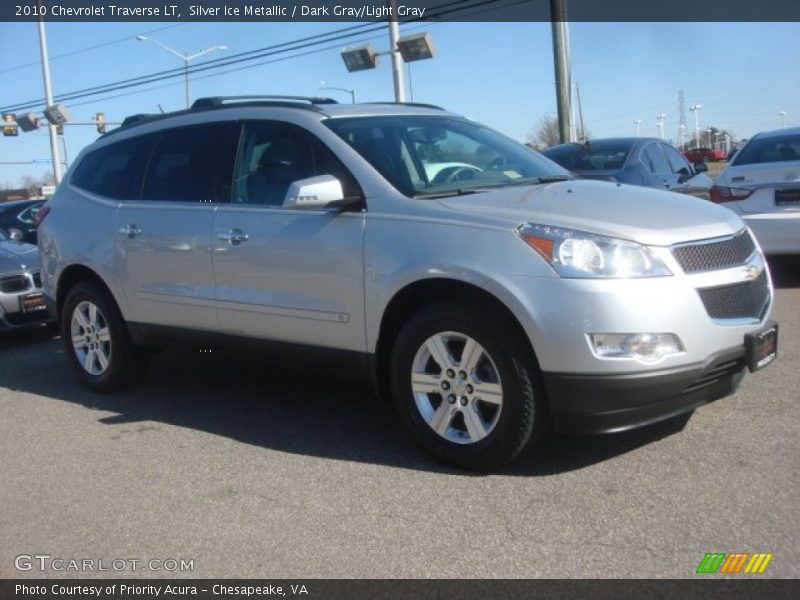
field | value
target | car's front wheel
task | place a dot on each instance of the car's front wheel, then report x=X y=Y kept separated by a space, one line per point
x=467 y=387
x=96 y=340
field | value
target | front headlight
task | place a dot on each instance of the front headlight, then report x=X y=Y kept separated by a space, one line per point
x=579 y=254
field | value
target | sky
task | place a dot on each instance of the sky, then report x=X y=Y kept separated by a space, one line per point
x=501 y=74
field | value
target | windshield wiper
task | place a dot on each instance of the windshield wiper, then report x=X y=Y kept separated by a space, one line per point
x=458 y=192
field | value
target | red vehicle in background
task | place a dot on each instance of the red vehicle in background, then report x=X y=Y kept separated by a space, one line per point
x=696 y=155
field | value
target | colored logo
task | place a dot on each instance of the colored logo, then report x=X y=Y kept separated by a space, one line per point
x=735 y=562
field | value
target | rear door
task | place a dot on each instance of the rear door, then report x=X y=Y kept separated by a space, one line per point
x=288 y=274
x=164 y=236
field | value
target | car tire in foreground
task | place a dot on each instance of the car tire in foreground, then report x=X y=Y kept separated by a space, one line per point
x=467 y=387
x=96 y=340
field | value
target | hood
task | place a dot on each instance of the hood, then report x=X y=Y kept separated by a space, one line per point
x=13 y=255
x=645 y=215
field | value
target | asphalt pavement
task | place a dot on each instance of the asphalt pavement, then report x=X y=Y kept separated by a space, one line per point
x=252 y=470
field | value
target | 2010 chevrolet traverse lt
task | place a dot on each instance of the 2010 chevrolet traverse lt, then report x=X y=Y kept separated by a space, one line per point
x=491 y=294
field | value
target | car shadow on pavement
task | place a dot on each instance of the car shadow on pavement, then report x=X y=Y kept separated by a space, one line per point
x=254 y=401
x=785 y=271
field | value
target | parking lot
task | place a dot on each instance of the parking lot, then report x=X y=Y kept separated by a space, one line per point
x=256 y=471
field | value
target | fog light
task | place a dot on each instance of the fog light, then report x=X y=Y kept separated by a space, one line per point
x=644 y=347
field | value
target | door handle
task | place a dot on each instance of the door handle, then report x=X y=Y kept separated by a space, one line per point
x=130 y=230
x=234 y=236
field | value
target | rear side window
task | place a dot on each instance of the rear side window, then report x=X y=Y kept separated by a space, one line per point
x=192 y=164
x=115 y=171
x=654 y=159
x=677 y=161
x=776 y=148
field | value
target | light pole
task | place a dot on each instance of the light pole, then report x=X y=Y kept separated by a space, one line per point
x=185 y=57
x=660 y=123
x=681 y=136
x=710 y=131
x=48 y=94
x=352 y=93
x=782 y=115
x=638 y=123
x=696 y=108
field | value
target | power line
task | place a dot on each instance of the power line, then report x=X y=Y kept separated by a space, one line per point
x=86 y=49
x=275 y=60
x=299 y=44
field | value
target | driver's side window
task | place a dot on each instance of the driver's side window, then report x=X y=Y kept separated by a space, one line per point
x=272 y=156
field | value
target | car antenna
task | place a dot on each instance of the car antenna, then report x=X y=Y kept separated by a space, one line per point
x=161 y=108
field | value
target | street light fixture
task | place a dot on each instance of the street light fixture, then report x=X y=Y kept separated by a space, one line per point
x=352 y=93
x=184 y=56
x=416 y=47
x=410 y=48
x=360 y=58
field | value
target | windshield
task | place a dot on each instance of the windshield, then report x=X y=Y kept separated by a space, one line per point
x=591 y=156
x=776 y=148
x=435 y=156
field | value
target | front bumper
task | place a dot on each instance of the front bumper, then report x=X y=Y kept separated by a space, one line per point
x=19 y=320
x=612 y=403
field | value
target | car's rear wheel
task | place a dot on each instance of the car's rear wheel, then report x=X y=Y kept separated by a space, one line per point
x=467 y=387
x=97 y=342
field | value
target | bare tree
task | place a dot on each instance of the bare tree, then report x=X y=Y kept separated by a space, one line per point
x=34 y=183
x=546 y=132
x=716 y=134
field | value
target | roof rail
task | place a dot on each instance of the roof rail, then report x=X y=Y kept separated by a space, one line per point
x=215 y=101
x=304 y=102
x=417 y=104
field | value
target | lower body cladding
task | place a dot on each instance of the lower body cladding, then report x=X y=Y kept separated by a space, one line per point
x=594 y=386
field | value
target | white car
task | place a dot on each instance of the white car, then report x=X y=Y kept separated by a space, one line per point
x=762 y=185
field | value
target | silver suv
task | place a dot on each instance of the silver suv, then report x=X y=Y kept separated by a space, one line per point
x=491 y=295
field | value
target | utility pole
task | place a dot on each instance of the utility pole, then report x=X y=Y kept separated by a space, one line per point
x=397 y=60
x=558 y=18
x=580 y=111
x=638 y=123
x=782 y=114
x=48 y=94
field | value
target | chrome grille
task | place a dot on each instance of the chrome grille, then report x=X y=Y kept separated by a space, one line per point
x=747 y=300
x=13 y=284
x=710 y=256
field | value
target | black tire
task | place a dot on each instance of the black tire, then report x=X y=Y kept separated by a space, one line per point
x=126 y=362
x=523 y=417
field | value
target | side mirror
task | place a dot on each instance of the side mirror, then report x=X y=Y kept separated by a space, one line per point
x=700 y=167
x=15 y=234
x=315 y=193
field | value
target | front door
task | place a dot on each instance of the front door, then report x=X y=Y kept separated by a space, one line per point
x=288 y=274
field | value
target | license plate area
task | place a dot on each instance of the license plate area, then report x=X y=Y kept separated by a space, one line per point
x=787 y=197
x=32 y=303
x=761 y=347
